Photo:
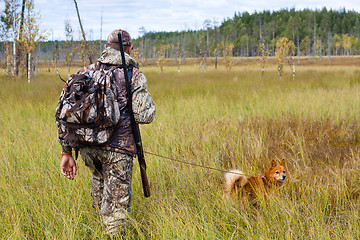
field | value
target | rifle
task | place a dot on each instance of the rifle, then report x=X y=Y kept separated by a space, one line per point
x=134 y=125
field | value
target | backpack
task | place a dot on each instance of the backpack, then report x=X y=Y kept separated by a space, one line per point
x=88 y=109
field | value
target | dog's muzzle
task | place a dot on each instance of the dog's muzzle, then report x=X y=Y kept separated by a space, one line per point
x=282 y=179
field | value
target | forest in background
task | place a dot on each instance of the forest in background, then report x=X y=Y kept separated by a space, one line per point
x=314 y=32
x=287 y=32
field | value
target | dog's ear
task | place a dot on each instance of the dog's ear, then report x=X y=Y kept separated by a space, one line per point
x=283 y=162
x=273 y=164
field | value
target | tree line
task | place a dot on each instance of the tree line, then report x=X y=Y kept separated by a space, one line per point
x=314 y=33
x=287 y=32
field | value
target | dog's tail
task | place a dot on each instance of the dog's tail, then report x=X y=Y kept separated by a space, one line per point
x=231 y=177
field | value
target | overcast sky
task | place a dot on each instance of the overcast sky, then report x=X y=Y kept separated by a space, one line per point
x=159 y=15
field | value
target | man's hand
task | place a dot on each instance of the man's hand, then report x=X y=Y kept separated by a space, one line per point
x=68 y=166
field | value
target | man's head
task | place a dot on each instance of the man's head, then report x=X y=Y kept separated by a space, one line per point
x=113 y=40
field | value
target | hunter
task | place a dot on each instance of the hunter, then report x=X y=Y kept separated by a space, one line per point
x=111 y=165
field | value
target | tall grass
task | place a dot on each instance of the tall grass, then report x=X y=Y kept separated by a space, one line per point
x=219 y=119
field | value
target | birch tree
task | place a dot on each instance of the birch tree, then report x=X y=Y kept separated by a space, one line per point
x=264 y=55
x=32 y=34
x=9 y=31
x=228 y=54
x=69 y=48
x=292 y=51
x=202 y=55
x=160 y=52
x=20 y=46
x=282 y=49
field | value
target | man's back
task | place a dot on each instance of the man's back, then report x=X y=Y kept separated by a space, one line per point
x=111 y=164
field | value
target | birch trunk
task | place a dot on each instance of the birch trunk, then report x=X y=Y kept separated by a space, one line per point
x=293 y=63
x=14 y=40
x=329 y=47
x=29 y=68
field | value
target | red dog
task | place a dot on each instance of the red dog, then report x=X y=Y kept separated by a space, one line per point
x=273 y=178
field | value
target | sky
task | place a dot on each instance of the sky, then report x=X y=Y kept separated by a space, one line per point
x=158 y=15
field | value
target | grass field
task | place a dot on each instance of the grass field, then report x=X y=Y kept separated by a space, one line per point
x=219 y=119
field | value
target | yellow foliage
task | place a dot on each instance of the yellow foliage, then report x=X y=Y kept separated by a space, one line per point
x=161 y=56
x=264 y=55
x=284 y=47
x=228 y=53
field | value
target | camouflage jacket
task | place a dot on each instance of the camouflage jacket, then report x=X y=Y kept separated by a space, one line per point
x=142 y=104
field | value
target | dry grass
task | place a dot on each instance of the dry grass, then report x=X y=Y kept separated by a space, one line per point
x=219 y=119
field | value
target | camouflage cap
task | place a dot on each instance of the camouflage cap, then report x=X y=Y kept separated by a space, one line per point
x=113 y=40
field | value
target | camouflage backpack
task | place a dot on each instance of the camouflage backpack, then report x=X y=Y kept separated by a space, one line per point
x=88 y=108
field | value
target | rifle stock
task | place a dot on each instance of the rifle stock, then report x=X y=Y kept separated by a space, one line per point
x=141 y=159
x=135 y=126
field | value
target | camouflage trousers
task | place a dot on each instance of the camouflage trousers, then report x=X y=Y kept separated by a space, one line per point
x=110 y=185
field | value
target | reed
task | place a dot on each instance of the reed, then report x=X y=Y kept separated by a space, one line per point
x=220 y=119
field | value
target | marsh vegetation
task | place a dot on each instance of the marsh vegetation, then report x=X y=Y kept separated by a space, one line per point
x=221 y=119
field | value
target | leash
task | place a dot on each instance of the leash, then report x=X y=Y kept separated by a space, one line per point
x=188 y=163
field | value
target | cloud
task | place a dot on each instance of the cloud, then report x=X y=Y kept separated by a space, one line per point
x=160 y=15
